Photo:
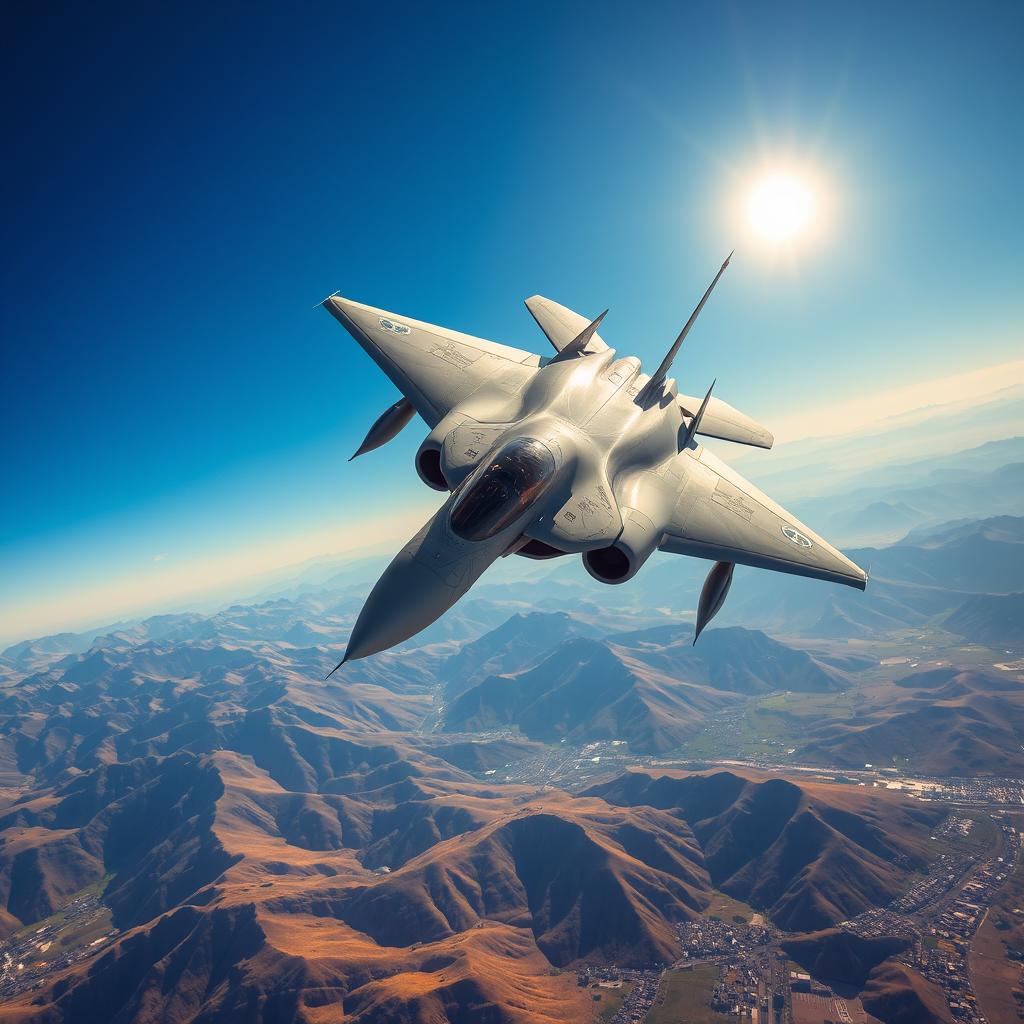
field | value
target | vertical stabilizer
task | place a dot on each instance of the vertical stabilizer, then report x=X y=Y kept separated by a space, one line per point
x=658 y=378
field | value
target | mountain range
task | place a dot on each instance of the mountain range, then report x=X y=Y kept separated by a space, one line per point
x=941 y=718
x=263 y=838
x=650 y=688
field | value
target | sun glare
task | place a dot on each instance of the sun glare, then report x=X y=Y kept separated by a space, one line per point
x=781 y=207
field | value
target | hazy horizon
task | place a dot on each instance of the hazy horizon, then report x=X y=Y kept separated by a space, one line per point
x=240 y=573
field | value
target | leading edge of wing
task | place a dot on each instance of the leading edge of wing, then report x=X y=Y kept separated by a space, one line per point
x=722 y=516
x=434 y=367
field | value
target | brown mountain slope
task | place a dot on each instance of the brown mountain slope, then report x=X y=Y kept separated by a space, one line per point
x=490 y=974
x=733 y=659
x=650 y=687
x=236 y=893
x=278 y=849
x=584 y=880
x=514 y=645
x=39 y=871
x=148 y=823
x=241 y=963
x=841 y=957
x=944 y=721
x=588 y=690
x=896 y=994
x=479 y=755
x=810 y=854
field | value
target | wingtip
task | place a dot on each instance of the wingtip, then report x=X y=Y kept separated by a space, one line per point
x=324 y=301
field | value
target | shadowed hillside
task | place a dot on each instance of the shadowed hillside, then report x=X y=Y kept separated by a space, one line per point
x=897 y=994
x=810 y=855
x=840 y=957
x=989 y=619
x=947 y=721
x=262 y=837
x=652 y=688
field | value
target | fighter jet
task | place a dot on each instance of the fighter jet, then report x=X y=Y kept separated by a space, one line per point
x=578 y=453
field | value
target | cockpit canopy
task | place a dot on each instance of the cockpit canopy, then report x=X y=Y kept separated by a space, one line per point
x=503 y=488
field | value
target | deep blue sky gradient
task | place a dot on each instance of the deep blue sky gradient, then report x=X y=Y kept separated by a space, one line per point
x=184 y=182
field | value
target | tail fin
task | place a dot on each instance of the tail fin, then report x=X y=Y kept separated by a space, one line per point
x=698 y=416
x=666 y=364
x=559 y=323
x=580 y=342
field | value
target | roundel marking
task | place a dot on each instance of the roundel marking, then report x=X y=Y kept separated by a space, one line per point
x=796 y=537
x=392 y=326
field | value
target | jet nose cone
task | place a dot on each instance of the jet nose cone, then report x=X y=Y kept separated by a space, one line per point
x=406 y=599
x=423 y=581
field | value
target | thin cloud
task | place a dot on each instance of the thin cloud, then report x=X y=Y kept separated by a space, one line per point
x=920 y=399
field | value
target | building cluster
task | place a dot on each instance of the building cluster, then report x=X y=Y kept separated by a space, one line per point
x=944 y=956
x=961 y=917
x=944 y=875
x=955 y=827
x=801 y=981
x=977 y=792
x=638 y=1003
x=942 y=912
x=737 y=991
x=710 y=937
x=643 y=988
x=26 y=960
x=566 y=766
x=945 y=963
x=881 y=921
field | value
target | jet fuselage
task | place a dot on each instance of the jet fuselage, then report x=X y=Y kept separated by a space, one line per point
x=580 y=453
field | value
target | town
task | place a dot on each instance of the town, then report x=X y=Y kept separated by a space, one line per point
x=731 y=962
x=77 y=932
x=739 y=970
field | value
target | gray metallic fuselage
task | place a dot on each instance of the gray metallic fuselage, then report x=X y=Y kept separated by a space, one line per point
x=581 y=453
x=584 y=411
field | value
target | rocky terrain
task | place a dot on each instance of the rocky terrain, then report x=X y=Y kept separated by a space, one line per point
x=889 y=989
x=810 y=855
x=265 y=839
x=267 y=845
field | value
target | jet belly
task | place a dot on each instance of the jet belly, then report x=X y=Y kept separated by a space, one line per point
x=582 y=452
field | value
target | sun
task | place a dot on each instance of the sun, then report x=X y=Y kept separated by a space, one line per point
x=781 y=207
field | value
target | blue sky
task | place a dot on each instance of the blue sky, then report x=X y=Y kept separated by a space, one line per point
x=185 y=184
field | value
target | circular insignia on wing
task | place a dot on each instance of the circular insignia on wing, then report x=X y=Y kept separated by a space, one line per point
x=392 y=326
x=796 y=537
